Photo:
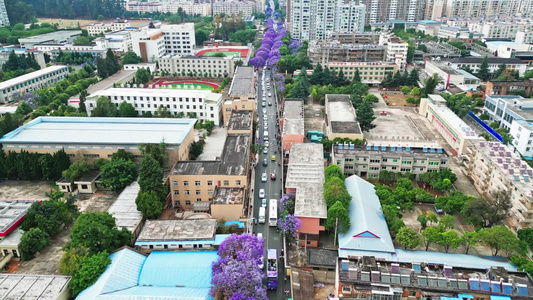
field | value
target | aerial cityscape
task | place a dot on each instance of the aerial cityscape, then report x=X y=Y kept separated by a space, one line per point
x=278 y=149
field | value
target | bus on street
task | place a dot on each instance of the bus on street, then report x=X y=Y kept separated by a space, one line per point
x=272 y=269
x=273 y=213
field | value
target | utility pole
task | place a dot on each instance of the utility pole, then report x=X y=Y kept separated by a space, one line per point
x=335 y=237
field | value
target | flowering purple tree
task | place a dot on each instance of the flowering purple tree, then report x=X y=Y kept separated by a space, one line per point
x=236 y=274
x=289 y=225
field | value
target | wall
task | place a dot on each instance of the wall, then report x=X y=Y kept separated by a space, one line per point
x=228 y=212
x=310 y=226
x=288 y=139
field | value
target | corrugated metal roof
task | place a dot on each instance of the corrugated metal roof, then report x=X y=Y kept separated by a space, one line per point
x=368 y=231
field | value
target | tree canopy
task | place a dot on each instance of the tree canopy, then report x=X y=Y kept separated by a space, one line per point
x=90 y=269
x=118 y=173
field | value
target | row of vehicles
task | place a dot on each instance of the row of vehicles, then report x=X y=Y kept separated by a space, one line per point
x=272 y=212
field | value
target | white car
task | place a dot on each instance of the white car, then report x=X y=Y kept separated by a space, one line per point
x=270 y=94
x=267 y=144
x=265 y=117
x=265 y=150
x=263 y=104
x=264 y=177
x=262 y=193
x=264 y=110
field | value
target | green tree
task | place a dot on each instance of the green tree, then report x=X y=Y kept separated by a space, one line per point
x=431 y=235
x=453 y=203
x=301 y=88
x=422 y=218
x=338 y=212
x=408 y=238
x=142 y=76
x=430 y=84
x=317 y=76
x=371 y=98
x=32 y=241
x=200 y=36
x=483 y=72
x=469 y=239
x=356 y=76
x=118 y=173
x=388 y=177
x=450 y=239
x=405 y=90
x=335 y=191
x=446 y=222
x=104 y=108
x=90 y=269
x=48 y=216
x=125 y=109
x=157 y=151
x=151 y=175
x=365 y=116
x=415 y=91
x=487 y=212
x=131 y=58
x=500 y=238
x=333 y=171
x=70 y=262
x=149 y=204
x=526 y=235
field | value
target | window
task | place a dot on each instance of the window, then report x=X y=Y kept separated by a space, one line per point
x=198 y=199
x=174 y=183
x=185 y=183
x=209 y=182
x=226 y=182
x=187 y=202
x=210 y=192
x=198 y=192
x=237 y=182
x=187 y=192
x=197 y=183
x=176 y=193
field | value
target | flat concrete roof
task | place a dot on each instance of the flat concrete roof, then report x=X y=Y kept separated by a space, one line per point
x=242 y=83
x=240 y=120
x=140 y=92
x=29 y=76
x=228 y=195
x=101 y=131
x=341 y=114
x=12 y=239
x=32 y=286
x=451 y=118
x=306 y=175
x=293 y=117
x=178 y=230
x=11 y=214
x=234 y=160
x=57 y=35
x=124 y=209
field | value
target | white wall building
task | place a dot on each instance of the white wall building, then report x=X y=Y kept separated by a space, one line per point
x=144 y=7
x=450 y=75
x=395 y=50
x=452 y=32
x=117 y=41
x=246 y=8
x=318 y=19
x=134 y=67
x=202 y=9
x=149 y=44
x=494 y=63
x=97 y=28
x=524 y=37
x=481 y=8
x=502 y=30
x=4 y=19
x=522 y=133
x=205 y=104
x=31 y=82
x=179 y=38
x=216 y=66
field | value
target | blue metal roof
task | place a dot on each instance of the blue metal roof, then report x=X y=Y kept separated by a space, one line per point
x=497 y=297
x=368 y=231
x=219 y=238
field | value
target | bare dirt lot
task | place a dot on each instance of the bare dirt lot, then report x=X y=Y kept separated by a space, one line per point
x=395 y=99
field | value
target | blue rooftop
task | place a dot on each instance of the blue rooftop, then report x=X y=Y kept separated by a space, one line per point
x=108 y=131
x=161 y=275
x=368 y=233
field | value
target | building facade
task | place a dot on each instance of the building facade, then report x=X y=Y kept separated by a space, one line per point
x=56 y=37
x=196 y=9
x=179 y=38
x=11 y=89
x=473 y=63
x=246 y=8
x=522 y=133
x=201 y=104
x=479 y=8
x=149 y=44
x=500 y=30
x=4 y=18
x=371 y=72
x=395 y=50
x=318 y=19
x=383 y=11
x=144 y=7
x=120 y=40
x=329 y=51
x=509 y=88
x=524 y=37
x=98 y=28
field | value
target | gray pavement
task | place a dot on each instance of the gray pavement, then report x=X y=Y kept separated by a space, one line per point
x=214 y=144
x=273 y=188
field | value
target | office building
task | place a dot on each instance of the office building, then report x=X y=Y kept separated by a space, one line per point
x=452 y=128
x=383 y=11
x=502 y=88
x=373 y=73
x=56 y=37
x=398 y=157
x=317 y=19
x=101 y=136
x=495 y=168
x=193 y=183
x=329 y=51
x=200 y=104
x=305 y=178
x=341 y=121
x=120 y=41
x=19 y=86
x=4 y=18
x=98 y=28
x=134 y=67
x=242 y=92
x=179 y=38
x=473 y=63
x=292 y=123
x=233 y=7
x=149 y=44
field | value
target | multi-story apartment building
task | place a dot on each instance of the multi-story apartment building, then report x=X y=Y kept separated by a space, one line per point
x=318 y=19
x=144 y=7
x=481 y=8
x=201 y=104
x=371 y=72
x=524 y=37
x=398 y=157
x=330 y=51
x=234 y=7
x=120 y=40
x=500 y=29
x=515 y=114
x=385 y=10
x=366 y=38
x=97 y=28
x=4 y=18
x=193 y=9
x=509 y=87
x=31 y=82
x=149 y=44
x=473 y=63
x=179 y=38
x=194 y=182
x=494 y=168
x=395 y=50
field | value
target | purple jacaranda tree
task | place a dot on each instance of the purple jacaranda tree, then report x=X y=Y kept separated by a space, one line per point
x=286 y=204
x=234 y=245
x=277 y=15
x=239 y=296
x=289 y=225
x=257 y=62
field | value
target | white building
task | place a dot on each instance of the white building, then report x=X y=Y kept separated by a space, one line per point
x=179 y=38
x=385 y=10
x=149 y=44
x=53 y=50
x=233 y=7
x=56 y=37
x=134 y=67
x=452 y=32
x=522 y=133
x=494 y=62
x=202 y=9
x=524 y=37
x=480 y=8
x=97 y=28
x=395 y=49
x=216 y=66
x=31 y=82
x=4 y=19
x=318 y=19
x=205 y=104
x=120 y=41
x=144 y=7
x=501 y=30
x=507 y=49
x=450 y=75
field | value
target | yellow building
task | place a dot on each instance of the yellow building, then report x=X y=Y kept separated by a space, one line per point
x=101 y=137
x=195 y=181
x=370 y=72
